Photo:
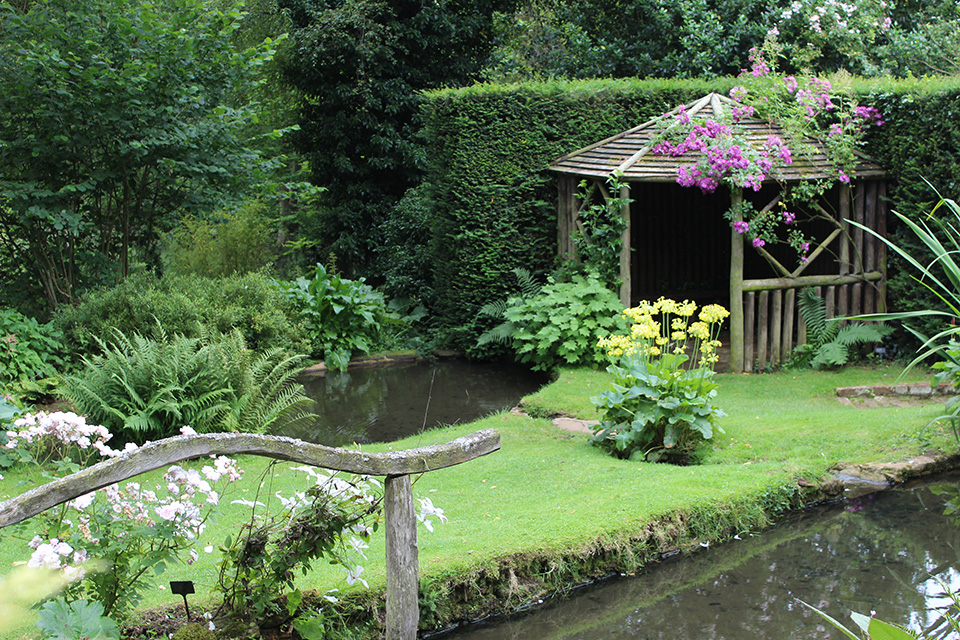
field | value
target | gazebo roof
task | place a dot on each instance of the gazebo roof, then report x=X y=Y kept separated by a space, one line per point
x=630 y=151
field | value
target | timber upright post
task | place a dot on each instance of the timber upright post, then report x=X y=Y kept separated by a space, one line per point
x=626 y=286
x=403 y=607
x=736 y=285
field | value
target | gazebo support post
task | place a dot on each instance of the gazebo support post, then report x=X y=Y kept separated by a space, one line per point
x=626 y=287
x=736 y=286
x=403 y=608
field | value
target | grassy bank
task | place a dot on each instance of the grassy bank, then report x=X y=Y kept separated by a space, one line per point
x=548 y=511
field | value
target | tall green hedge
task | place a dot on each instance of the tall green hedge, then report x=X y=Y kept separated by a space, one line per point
x=494 y=203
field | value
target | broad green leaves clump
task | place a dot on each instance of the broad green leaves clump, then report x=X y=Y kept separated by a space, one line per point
x=559 y=325
x=661 y=402
x=341 y=316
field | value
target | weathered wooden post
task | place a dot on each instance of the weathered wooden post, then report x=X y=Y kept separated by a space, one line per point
x=403 y=607
x=400 y=517
x=626 y=284
x=736 y=285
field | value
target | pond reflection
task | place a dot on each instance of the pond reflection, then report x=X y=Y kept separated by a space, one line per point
x=890 y=553
x=383 y=404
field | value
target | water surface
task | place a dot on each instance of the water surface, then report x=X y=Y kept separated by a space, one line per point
x=882 y=553
x=386 y=403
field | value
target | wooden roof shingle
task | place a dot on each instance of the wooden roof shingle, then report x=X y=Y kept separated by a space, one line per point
x=631 y=153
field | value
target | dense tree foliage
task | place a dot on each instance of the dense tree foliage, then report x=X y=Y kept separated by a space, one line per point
x=360 y=65
x=704 y=38
x=116 y=116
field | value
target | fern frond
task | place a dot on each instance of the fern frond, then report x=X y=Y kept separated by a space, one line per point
x=813 y=312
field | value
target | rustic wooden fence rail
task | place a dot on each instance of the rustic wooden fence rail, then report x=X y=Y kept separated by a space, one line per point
x=402 y=607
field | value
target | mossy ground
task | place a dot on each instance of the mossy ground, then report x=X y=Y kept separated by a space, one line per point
x=548 y=511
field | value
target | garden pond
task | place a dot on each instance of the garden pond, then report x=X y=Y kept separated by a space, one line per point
x=891 y=552
x=387 y=403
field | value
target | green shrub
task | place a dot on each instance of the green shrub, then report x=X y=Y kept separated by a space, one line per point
x=184 y=305
x=147 y=389
x=341 y=316
x=28 y=350
x=560 y=325
x=661 y=403
x=222 y=245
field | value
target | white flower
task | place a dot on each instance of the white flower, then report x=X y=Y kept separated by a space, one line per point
x=187 y=431
x=359 y=545
x=427 y=510
x=73 y=574
x=248 y=503
x=169 y=511
x=353 y=576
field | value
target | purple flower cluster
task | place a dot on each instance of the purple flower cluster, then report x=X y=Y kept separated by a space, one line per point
x=788 y=217
x=740 y=112
x=741 y=227
x=815 y=98
x=758 y=242
x=867 y=116
x=758 y=66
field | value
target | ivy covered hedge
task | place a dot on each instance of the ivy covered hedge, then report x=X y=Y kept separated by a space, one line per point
x=492 y=202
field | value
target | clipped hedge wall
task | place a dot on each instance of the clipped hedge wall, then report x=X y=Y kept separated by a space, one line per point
x=918 y=143
x=494 y=202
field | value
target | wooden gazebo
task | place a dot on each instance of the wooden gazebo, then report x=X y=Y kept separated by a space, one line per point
x=677 y=243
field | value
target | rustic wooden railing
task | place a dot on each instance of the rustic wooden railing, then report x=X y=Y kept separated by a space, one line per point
x=402 y=607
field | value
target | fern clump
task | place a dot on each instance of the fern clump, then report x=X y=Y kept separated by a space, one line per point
x=148 y=388
x=829 y=341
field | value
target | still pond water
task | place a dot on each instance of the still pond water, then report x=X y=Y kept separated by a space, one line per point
x=884 y=553
x=383 y=404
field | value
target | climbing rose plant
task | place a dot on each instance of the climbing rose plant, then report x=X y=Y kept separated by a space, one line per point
x=807 y=108
x=111 y=544
x=660 y=405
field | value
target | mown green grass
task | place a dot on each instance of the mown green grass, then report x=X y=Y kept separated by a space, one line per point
x=548 y=492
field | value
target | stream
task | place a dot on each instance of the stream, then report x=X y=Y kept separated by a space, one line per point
x=891 y=552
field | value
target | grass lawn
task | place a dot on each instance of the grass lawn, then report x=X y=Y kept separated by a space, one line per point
x=548 y=510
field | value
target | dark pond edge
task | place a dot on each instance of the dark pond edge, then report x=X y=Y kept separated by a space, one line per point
x=382 y=360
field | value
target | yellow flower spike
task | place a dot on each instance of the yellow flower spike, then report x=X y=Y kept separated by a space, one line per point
x=654 y=351
x=678 y=324
x=678 y=336
x=687 y=308
x=713 y=313
x=699 y=330
x=662 y=341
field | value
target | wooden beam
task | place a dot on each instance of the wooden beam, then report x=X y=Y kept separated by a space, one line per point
x=736 y=287
x=171 y=450
x=626 y=286
x=763 y=330
x=768 y=284
x=776 y=328
x=749 y=331
x=400 y=524
x=816 y=252
x=844 y=246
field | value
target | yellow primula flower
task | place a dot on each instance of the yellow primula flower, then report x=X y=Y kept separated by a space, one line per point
x=713 y=313
x=678 y=336
x=699 y=330
x=654 y=351
x=678 y=324
x=686 y=308
x=662 y=341
x=666 y=305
